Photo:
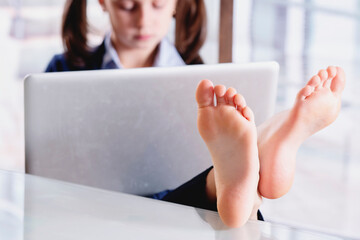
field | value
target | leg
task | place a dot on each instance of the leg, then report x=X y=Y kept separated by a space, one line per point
x=229 y=132
x=316 y=106
x=192 y=193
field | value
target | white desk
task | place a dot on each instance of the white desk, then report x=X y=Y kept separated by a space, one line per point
x=43 y=209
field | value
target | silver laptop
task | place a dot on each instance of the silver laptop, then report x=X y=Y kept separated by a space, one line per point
x=133 y=130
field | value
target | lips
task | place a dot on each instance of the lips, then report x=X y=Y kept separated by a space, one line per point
x=143 y=37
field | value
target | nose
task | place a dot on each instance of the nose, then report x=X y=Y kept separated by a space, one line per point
x=143 y=16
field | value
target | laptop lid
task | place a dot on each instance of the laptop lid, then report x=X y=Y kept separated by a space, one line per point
x=132 y=130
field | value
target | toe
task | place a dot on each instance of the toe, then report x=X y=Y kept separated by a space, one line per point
x=229 y=96
x=314 y=81
x=248 y=113
x=239 y=101
x=331 y=71
x=220 y=94
x=205 y=94
x=305 y=92
x=323 y=77
x=323 y=74
x=338 y=83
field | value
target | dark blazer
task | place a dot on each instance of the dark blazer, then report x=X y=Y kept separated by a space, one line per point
x=59 y=63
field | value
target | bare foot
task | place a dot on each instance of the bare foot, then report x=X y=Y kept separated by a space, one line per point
x=316 y=106
x=229 y=132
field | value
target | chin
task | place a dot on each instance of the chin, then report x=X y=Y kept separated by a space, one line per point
x=146 y=45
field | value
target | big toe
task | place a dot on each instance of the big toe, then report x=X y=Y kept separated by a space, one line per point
x=205 y=93
x=338 y=83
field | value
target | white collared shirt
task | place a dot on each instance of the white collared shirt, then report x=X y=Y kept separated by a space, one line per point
x=167 y=55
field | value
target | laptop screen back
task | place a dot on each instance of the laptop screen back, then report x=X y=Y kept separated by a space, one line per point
x=134 y=130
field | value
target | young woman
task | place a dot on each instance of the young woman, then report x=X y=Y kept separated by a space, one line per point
x=137 y=37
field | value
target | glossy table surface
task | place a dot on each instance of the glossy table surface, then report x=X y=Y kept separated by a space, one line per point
x=39 y=208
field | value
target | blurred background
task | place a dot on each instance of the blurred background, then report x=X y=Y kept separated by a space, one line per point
x=302 y=35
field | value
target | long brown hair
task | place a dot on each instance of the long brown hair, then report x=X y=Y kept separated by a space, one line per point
x=191 y=29
x=190 y=33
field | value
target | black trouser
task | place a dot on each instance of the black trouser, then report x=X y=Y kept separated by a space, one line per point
x=192 y=193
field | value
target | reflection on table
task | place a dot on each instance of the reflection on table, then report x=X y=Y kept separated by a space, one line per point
x=39 y=208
